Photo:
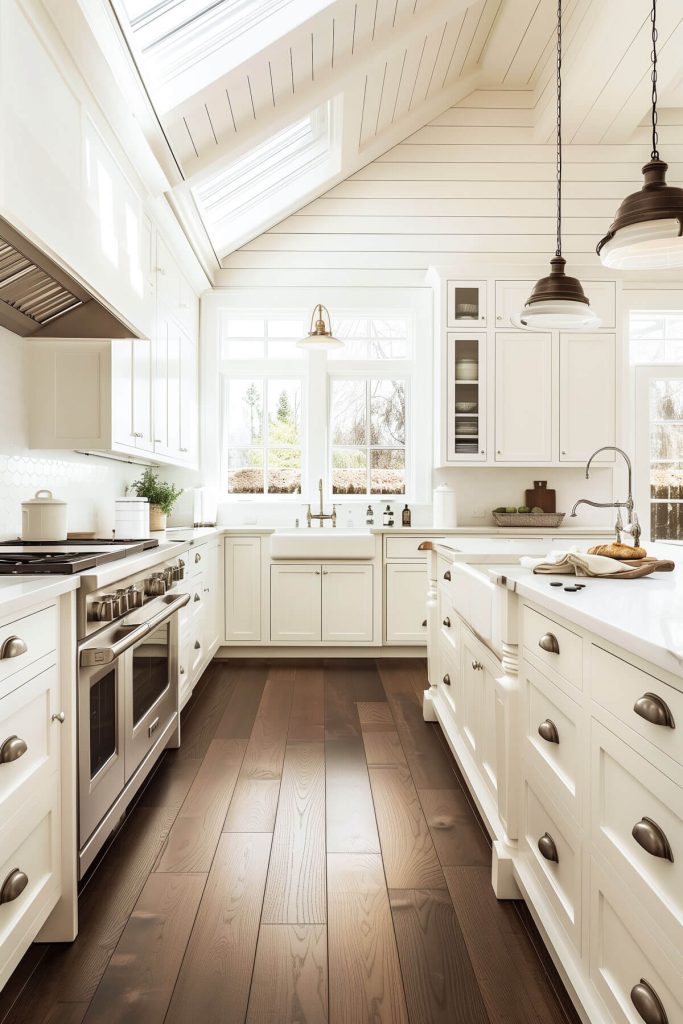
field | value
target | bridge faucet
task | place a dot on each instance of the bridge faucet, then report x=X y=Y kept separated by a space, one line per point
x=632 y=526
x=321 y=516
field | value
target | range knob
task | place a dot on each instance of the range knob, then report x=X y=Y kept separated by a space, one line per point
x=103 y=610
x=122 y=598
x=135 y=597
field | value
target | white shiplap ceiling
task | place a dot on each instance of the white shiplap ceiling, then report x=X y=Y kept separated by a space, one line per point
x=226 y=77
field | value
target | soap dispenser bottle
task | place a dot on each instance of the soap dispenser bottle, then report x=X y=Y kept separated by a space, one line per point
x=405 y=517
x=385 y=516
x=370 y=516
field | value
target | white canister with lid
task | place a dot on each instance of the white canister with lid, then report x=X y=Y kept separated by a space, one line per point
x=445 y=509
x=131 y=518
x=43 y=517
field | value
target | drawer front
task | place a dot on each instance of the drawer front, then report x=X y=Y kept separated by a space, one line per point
x=448 y=674
x=448 y=621
x=559 y=879
x=31 y=845
x=552 y=737
x=443 y=570
x=24 y=641
x=29 y=739
x=195 y=559
x=621 y=688
x=406 y=547
x=629 y=793
x=625 y=951
x=561 y=650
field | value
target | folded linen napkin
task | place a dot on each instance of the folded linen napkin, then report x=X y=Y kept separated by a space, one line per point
x=580 y=564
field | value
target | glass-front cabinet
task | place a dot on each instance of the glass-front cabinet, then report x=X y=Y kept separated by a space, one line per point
x=466 y=397
x=466 y=304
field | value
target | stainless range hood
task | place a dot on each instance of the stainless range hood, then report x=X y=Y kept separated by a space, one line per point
x=38 y=299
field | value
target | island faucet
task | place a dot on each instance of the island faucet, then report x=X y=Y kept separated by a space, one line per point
x=632 y=526
x=321 y=516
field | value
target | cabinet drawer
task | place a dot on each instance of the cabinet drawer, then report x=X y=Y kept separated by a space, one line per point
x=620 y=687
x=552 y=737
x=448 y=672
x=443 y=569
x=447 y=618
x=561 y=650
x=559 y=879
x=31 y=844
x=627 y=793
x=626 y=951
x=26 y=725
x=406 y=547
x=195 y=559
x=25 y=640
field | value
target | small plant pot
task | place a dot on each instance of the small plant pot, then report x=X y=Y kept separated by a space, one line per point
x=157 y=519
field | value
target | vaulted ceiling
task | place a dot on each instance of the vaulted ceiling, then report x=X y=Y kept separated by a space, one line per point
x=253 y=108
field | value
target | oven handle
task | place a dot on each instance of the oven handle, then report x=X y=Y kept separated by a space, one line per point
x=106 y=655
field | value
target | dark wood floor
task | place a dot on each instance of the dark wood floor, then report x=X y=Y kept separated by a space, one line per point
x=308 y=855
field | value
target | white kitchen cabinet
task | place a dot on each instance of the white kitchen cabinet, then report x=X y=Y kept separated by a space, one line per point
x=587 y=396
x=242 y=589
x=175 y=399
x=524 y=380
x=347 y=592
x=213 y=600
x=466 y=398
x=295 y=603
x=466 y=303
x=406 y=602
x=511 y=296
x=132 y=370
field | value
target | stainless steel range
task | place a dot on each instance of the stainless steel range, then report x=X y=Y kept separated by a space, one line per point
x=128 y=687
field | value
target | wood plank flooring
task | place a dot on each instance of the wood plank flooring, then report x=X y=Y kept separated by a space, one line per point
x=309 y=855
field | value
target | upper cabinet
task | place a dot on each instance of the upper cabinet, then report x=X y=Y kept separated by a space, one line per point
x=507 y=395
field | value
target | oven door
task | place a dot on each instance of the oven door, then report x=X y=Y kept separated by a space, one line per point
x=151 y=691
x=101 y=743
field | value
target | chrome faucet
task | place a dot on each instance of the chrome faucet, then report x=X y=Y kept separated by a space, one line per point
x=321 y=516
x=632 y=526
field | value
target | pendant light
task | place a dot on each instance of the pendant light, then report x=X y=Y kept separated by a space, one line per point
x=320 y=337
x=647 y=233
x=558 y=301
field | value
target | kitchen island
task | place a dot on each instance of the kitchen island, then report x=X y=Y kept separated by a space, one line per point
x=563 y=709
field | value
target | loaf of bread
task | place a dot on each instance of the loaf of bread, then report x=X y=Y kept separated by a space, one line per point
x=619 y=551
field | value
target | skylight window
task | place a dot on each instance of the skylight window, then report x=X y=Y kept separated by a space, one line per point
x=258 y=188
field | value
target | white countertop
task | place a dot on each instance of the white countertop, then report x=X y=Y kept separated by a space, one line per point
x=202 y=532
x=20 y=592
x=643 y=616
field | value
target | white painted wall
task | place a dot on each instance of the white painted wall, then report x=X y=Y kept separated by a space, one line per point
x=88 y=483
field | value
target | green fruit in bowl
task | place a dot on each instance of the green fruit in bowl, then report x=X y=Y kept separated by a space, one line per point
x=536 y=510
x=500 y=509
x=524 y=509
x=510 y=508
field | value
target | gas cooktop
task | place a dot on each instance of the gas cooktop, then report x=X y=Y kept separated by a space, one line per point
x=60 y=559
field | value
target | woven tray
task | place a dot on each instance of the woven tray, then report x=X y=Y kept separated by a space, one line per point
x=537 y=519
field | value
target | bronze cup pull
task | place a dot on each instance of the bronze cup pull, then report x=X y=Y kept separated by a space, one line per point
x=546 y=845
x=549 y=643
x=649 y=835
x=446 y=621
x=653 y=709
x=547 y=730
x=424 y=623
x=648 y=1004
x=447 y=574
x=447 y=679
x=13 y=647
x=13 y=886
x=12 y=749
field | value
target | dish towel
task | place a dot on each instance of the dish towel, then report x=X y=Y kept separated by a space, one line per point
x=579 y=564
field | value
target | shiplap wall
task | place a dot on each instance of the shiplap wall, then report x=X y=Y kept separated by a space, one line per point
x=472 y=187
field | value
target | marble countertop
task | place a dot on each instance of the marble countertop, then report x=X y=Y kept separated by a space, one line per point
x=20 y=592
x=643 y=616
x=201 y=532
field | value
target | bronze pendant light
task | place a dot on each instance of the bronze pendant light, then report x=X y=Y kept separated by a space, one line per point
x=647 y=233
x=558 y=301
x=320 y=337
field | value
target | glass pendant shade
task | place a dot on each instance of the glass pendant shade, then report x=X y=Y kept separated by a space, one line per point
x=320 y=337
x=557 y=302
x=647 y=233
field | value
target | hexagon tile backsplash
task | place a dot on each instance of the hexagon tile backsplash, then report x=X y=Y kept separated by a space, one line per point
x=88 y=485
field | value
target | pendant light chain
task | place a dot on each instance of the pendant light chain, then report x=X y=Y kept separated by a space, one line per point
x=655 y=135
x=558 y=248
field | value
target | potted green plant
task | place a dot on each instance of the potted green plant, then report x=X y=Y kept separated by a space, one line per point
x=161 y=496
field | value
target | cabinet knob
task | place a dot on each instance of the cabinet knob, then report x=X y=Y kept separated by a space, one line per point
x=59 y=717
x=482 y=452
x=649 y=835
x=498 y=452
x=447 y=574
x=648 y=1004
x=12 y=749
x=549 y=643
x=13 y=886
x=197 y=645
x=653 y=709
x=546 y=845
x=499 y=317
x=424 y=623
x=136 y=433
x=447 y=622
x=13 y=647
x=447 y=679
x=547 y=730
x=477 y=666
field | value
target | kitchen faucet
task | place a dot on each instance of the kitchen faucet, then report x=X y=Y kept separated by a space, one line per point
x=321 y=516
x=632 y=525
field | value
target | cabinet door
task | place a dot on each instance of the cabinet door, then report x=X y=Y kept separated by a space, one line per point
x=523 y=397
x=212 y=601
x=187 y=412
x=295 y=603
x=466 y=303
x=242 y=589
x=161 y=407
x=510 y=299
x=122 y=393
x=143 y=379
x=466 y=398
x=406 y=602
x=587 y=396
x=346 y=604
x=471 y=699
